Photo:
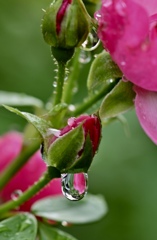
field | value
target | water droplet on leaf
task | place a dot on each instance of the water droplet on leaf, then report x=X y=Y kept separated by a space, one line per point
x=16 y=194
x=74 y=185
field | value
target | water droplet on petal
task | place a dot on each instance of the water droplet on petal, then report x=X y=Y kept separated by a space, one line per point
x=107 y=3
x=97 y=15
x=123 y=63
x=74 y=185
x=53 y=131
x=121 y=8
x=16 y=194
x=84 y=57
x=124 y=78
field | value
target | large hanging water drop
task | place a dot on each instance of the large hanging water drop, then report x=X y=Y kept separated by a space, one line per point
x=74 y=185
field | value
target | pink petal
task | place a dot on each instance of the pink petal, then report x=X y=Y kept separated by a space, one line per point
x=124 y=31
x=10 y=146
x=146 y=110
x=149 y=5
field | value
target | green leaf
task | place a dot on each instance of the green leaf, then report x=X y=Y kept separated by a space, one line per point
x=40 y=124
x=64 y=150
x=90 y=209
x=102 y=72
x=20 y=227
x=47 y=232
x=19 y=99
x=117 y=101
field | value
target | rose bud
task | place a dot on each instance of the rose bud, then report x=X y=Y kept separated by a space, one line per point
x=65 y=25
x=72 y=148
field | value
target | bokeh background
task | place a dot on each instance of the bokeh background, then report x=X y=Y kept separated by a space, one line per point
x=124 y=171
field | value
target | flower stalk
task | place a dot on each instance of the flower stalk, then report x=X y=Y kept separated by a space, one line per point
x=43 y=181
x=15 y=165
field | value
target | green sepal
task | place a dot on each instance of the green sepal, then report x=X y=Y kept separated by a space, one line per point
x=75 y=25
x=62 y=54
x=40 y=124
x=20 y=226
x=103 y=72
x=118 y=100
x=83 y=163
x=47 y=232
x=63 y=151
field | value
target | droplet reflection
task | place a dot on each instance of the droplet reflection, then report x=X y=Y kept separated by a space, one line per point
x=74 y=186
x=16 y=194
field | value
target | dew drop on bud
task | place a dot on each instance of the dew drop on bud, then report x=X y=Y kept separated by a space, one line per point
x=74 y=185
x=16 y=194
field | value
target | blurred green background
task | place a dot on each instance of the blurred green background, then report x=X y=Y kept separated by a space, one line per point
x=124 y=171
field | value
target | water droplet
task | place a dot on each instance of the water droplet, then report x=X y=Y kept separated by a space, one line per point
x=92 y=41
x=121 y=8
x=110 y=80
x=54 y=84
x=15 y=195
x=53 y=131
x=97 y=16
x=123 y=63
x=124 y=78
x=75 y=90
x=107 y=3
x=74 y=185
x=84 y=57
x=66 y=224
x=71 y=107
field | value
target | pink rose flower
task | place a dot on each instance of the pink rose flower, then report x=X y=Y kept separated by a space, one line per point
x=10 y=147
x=81 y=150
x=128 y=30
x=91 y=125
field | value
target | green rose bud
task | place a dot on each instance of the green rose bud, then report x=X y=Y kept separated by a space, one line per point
x=66 y=24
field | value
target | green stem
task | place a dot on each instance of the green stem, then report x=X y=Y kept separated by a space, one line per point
x=93 y=99
x=45 y=179
x=15 y=165
x=60 y=82
x=73 y=76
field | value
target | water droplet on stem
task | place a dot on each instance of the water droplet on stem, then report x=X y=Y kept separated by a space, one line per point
x=84 y=57
x=16 y=194
x=74 y=185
